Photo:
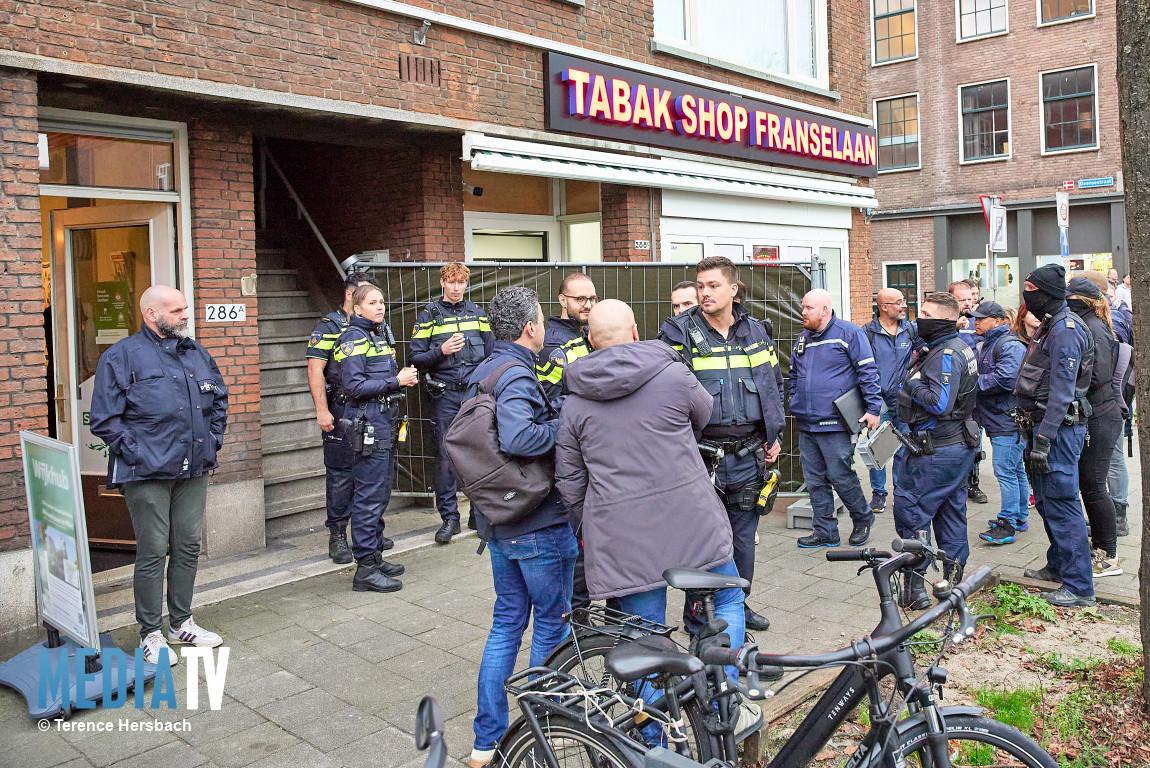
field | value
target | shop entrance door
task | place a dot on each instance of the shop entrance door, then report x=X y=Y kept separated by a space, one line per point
x=102 y=259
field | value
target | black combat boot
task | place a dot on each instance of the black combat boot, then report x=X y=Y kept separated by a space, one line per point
x=973 y=492
x=369 y=577
x=913 y=596
x=449 y=528
x=337 y=548
x=1122 y=528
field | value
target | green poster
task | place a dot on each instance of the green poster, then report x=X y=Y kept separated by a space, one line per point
x=63 y=570
x=111 y=312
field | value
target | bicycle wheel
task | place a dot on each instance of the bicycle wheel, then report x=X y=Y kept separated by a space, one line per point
x=588 y=662
x=976 y=741
x=575 y=746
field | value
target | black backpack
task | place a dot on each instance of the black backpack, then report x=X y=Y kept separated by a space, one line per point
x=504 y=489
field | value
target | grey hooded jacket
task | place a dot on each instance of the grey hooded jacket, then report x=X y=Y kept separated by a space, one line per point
x=627 y=464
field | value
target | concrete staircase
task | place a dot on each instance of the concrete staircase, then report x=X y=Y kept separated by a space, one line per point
x=292 y=448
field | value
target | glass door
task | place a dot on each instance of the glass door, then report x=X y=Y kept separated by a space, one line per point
x=102 y=259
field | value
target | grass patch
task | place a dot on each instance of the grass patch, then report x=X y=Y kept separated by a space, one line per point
x=1015 y=708
x=1123 y=647
x=1061 y=665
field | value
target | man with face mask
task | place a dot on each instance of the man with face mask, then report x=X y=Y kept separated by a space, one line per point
x=1053 y=411
x=936 y=402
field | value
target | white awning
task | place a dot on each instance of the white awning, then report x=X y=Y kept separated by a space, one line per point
x=490 y=153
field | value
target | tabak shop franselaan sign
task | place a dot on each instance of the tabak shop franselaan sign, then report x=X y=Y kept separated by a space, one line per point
x=593 y=99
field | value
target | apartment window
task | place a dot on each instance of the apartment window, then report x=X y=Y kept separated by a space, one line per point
x=985 y=121
x=894 y=35
x=1064 y=10
x=980 y=17
x=897 y=121
x=774 y=35
x=1068 y=109
x=904 y=277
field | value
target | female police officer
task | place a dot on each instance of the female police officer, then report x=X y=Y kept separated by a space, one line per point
x=370 y=381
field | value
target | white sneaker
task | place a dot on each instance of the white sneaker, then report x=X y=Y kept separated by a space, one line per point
x=193 y=634
x=1103 y=565
x=155 y=644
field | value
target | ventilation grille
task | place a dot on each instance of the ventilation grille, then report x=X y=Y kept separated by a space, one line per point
x=417 y=69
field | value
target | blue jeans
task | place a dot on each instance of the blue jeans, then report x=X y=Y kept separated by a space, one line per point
x=1007 y=462
x=827 y=459
x=652 y=605
x=532 y=575
x=878 y=476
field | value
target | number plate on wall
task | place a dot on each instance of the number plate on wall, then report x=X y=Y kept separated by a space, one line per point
x=226 y=313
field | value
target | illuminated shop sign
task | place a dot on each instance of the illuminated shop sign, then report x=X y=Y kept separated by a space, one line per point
x=594 y=99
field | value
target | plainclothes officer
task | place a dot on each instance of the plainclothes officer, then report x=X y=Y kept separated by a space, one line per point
x=830 y=358
x=160 y=404
x=892 y=339
x=323 y=383
x=684 y=296
x=999 y=359
x=735 y=360
x=1053 y=410
x=936 y=403
x=566 y=338
x=371 y=381
x=1103 y=427
x=451 y=337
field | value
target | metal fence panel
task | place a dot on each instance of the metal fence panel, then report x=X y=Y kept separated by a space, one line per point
x=775 y=292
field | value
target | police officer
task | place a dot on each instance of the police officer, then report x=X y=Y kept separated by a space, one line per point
x=323 y=383
x=684 y=295
x=161 y=406
x=451 y=337
x=371 y=383
x=936 y=402
x=566 y=337
x=735 y=360
x=1053 y=410
x=830 y=358
x=967 y=293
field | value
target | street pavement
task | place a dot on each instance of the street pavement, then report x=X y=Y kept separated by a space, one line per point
x=320 y=675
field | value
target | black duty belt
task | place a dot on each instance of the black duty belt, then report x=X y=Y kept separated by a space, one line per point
x=387 y=401
x=446 y=386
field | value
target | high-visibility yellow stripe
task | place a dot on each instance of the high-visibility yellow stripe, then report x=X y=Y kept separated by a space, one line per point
x=720 y=362
x=324 y=343
x=549 y=373
x=766 y=356
x=450 y=326
x=363 y=347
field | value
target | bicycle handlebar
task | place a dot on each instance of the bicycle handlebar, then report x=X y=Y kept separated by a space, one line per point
x=908 y=545
x=868 y=555
x=868 y=646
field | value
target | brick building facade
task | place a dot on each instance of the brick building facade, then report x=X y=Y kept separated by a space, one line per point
x=192 y=120
x=1046 y=72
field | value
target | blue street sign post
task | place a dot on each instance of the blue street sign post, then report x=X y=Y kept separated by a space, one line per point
x=1064 y=240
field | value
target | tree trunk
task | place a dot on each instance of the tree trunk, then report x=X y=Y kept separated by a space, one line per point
x=1134 y=110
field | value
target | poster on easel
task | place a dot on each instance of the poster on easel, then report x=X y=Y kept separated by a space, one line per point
x=63 y=569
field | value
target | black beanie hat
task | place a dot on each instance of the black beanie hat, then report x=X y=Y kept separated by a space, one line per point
x=1050 y=279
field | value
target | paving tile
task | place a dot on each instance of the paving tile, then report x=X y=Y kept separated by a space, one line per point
x=386 y=748
x=174 y=755
x=278 y=685
x=211 y=725
x=453 y=635
x=248 y=746
x=383 y=643
x=328 y=730
x=297 y=756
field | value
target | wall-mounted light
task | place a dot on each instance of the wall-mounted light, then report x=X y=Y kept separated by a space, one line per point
x=420 y=35
x=471 y=189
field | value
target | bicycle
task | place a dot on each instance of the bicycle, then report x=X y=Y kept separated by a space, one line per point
x=565 y=719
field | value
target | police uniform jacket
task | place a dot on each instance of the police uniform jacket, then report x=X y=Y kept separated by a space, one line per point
x=435 y=324
x=527 y=426
x=1055 y=372
x=999 y=360
x=550 y=371
x=559 y=331
x=941 y=387
x=741 y=372
x=321 y=344
x=368 y=371
x=892 y=355
x=825 y=365
x=161 y=406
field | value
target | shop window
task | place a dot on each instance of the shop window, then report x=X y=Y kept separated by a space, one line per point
x=584 y=241
x=894 y=30
x=977 y=18
x=1068 y=109
x=985 y=121
x=774 y=35
x=80 y=160
x=897 y=122
x=509 y=246
x=1065 y=10
x=904 y=277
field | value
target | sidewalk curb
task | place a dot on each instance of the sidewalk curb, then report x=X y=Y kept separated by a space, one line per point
x=1112 y=598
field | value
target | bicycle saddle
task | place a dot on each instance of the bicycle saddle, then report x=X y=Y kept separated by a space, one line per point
x=692 y=578
x=648 y=656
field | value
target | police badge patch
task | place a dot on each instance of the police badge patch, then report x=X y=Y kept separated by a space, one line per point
x=346 y=347
x=558 y=357
x=316 y=338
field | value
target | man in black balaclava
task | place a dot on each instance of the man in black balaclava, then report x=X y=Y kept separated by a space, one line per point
x=1053 y=410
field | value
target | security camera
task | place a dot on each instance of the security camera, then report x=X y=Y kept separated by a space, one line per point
x=472 y=189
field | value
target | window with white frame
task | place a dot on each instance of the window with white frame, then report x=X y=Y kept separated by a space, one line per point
x=1064 y=10
x=897 y=123
x=977 y=18
x=783 y=36
x=985 y=121
x=894 y=30
x=1068 y=109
